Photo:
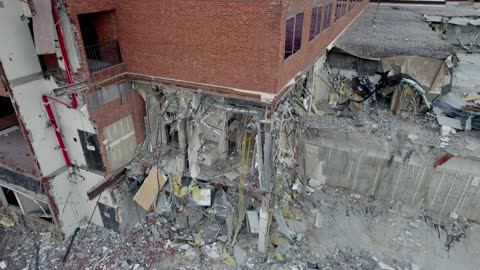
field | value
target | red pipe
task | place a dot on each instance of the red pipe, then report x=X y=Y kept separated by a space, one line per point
x=62 y=42
x=46 y=98
x=46 y=103
x=64 y=52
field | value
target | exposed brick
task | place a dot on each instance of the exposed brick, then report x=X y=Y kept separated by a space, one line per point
x=115 y=110
x=233 y=43
x=3 y=93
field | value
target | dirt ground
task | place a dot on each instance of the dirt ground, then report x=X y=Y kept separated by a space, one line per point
x=340 y=231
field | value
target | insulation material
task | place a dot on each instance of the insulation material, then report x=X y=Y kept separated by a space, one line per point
x=147 y=194
x=43 y=27
x=202 y=197
x=429 y=72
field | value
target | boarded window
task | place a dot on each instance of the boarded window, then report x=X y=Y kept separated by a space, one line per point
x=121 y=142
x=316 y=22
x=293 y=35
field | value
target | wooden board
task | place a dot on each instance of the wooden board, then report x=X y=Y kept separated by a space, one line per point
x=147 y=194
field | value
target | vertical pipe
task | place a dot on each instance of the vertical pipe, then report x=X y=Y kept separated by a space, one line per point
x=64 y=51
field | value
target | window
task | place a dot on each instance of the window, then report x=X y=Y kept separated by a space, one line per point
x=293 y=35
x=328 y=16
x=316 y=22
x=341 y=9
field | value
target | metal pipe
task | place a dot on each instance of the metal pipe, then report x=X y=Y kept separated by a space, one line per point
x=51 y=116
x=70 y=245
x=66 y=61
x=46 y=98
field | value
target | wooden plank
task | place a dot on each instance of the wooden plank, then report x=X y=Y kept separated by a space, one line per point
x=106 y=183
x=147 y=194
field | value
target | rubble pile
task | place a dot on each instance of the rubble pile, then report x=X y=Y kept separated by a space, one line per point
x=314 y=235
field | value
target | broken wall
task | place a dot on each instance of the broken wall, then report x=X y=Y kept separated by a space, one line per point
x=107 y=107
x=375 y=167
x=74 y=207
x=17 y=52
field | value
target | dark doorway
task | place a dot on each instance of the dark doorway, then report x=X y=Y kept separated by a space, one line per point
x=8 y=117
x=172 y=136
x=108 y=217
x=10 y=196
x=91 y=150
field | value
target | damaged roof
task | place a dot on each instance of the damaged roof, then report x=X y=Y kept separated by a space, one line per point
x=398 y=31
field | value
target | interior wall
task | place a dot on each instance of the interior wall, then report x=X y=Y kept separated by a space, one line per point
x=74 y=206
x=17 y=52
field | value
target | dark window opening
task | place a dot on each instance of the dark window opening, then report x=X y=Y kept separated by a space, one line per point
x=234 y=133
x=47 y=219
x=109 y=217
x=91 y=150
x=316 y=22
x=172 y=136
x=293 y=35
x=10 y=196
x=8 y=117
x=99 y=34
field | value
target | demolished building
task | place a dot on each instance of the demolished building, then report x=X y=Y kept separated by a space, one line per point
x=97 y=102
x=228 y=120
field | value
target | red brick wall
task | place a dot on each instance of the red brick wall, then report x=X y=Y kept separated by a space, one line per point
x=234 y=43
x=116 y=110
x=76 y=7
x=106 y=26
x=3 y=93
x=8 y=121
x=227 y=43
x=310 y=49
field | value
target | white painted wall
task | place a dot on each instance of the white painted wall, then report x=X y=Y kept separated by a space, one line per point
x=71 y=121
x=16 y=49
x=73 y=204
x=19 y=59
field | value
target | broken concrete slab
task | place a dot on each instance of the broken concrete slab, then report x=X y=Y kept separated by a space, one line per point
x=282 y=225
x=253 y=222
x=239 y=254
x=472 y=145
x=449 y=122
x=296 y=225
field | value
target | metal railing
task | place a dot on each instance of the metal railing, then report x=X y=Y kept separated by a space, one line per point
x=103 y=55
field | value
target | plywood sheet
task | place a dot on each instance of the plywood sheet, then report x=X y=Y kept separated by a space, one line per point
x=147 y=194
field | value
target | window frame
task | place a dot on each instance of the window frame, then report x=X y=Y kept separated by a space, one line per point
x=327 y=16
x=294 y=32
x=320 y=12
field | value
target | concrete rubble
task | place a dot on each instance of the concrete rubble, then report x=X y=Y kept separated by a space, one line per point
x=225 y=184
x=399 y=238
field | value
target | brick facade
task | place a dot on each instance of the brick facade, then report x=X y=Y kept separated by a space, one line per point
x=235 y=43
x=316 y=47
x=229 y=43
x=117 y=109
